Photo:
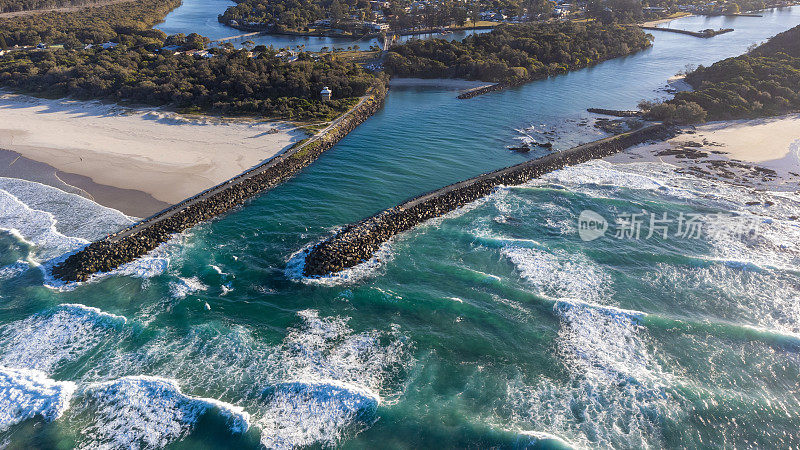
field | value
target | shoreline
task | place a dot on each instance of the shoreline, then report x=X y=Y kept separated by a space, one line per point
x=653 y=23
x=759 y=153
x=130 y=202
x=133 y=242
x=136 y=160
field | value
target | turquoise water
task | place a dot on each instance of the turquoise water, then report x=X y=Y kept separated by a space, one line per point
x=494 y=326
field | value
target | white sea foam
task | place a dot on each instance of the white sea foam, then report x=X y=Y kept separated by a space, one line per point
x=38 y=228
x=319 y=385
x=47 y=340
x=617 y=394
x=146 y=412
x=12 y=270
x=71 y=212
x=526 y=439
x=303 y=413
x=25 y=394
x=765 y=299
x=330 y=382
x=186 y=286
x=560 y=274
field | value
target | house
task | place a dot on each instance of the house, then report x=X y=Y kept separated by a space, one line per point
x=108 y=45
x=326 y=94
x=376 y=27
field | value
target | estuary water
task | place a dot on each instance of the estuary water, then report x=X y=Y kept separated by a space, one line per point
x=200 y=16
x=496 y=325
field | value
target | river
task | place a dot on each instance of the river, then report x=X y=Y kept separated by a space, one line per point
x=495 y=325
x=200 y=16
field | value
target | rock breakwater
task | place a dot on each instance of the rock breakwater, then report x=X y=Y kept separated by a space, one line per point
x=127 y=245
x=474 y=92
x=357 y=242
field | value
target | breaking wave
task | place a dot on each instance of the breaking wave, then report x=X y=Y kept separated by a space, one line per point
x=25 y=394
x=47 y=340
x=145 y=412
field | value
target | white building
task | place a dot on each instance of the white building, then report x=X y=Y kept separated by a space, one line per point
x=326 y=94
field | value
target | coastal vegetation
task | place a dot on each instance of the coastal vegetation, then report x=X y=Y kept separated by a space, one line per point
x=516 y=53
x=28 y=5
x=91 y=25
x=763 y=82
x=231 y=83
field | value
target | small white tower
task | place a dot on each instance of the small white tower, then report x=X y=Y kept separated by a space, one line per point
x=326 y=94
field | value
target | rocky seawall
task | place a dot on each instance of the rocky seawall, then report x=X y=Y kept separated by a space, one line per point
x=701 y=34
x=615 y=112
x=127 y=245
x=470 y=93
x=357 y=242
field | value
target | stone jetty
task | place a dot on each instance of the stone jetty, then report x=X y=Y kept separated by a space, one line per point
x=615 y=112
x=357 y=242
x=474 y=92
x=701 y=34
x=127 y=245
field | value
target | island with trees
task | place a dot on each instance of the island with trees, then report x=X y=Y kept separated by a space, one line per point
x=513 y=54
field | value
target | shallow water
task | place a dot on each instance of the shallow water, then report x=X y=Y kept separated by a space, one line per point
x=496 y=325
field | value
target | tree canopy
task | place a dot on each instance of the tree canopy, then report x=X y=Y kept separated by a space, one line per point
x=516 y=53
x=762 y=82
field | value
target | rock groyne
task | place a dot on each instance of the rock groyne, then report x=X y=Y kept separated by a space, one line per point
x=701 y=34
x=127 y=245
x=615 y=112
x=474 y=92
x=357 y=242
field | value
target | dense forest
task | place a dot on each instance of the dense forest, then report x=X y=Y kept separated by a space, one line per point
x=27 y=5
x=516 y=53
x=763 y=82
x=90 y=25
x=230 y=83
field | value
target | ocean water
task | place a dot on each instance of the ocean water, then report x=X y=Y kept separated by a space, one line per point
x=493 y=326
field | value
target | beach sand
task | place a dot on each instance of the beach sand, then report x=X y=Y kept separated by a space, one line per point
x=763 y=153
x=135 y=160
x=653 y=23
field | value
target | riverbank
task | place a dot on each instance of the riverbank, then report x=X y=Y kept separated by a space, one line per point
x=134 y=160
x=653 y=23
x=760 y=153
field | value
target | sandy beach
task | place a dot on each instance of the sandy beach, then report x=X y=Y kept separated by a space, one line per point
x=653 y=23
x=763 y=153
x=134 y=160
